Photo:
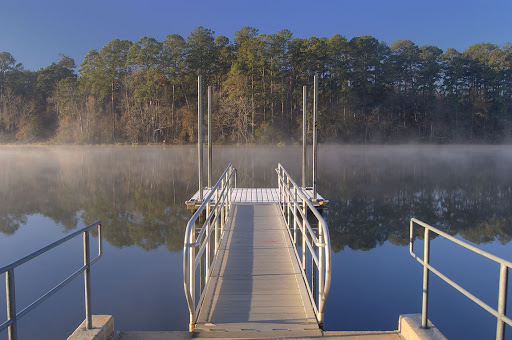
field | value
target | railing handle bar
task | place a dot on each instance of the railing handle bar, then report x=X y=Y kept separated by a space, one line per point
x=45 y=249
x=463 y=244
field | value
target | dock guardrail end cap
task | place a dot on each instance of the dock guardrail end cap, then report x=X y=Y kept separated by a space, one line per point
x=102 y=328
x=409 y=328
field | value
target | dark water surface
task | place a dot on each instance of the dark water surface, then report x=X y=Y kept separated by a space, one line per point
x=139 y=193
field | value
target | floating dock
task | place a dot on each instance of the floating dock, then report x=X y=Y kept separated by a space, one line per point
x=258 y=195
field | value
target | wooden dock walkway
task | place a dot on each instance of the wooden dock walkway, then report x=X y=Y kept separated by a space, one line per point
x=256 y=283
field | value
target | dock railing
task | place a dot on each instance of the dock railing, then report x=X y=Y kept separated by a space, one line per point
x=217 y=204
x=427 y=267
x=318 y=243
x=10 y=291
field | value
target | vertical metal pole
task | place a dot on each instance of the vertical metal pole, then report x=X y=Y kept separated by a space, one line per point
x=100 y=241
x=200 y=133
x=226 y=206
x=87 y=281
x=304 y=234
x=217 y=218
x=320 y=272
x=315 y=136
x=288 y=202
x=224 y=202
x=207 y=236
x=314 y=276
x=210 y=136
x=192 y=282
x=230 y=193
x=426 y=260
x=502 y=302
x=279 y=183
x=304 y=133
x=295 y=216
x=10 y=295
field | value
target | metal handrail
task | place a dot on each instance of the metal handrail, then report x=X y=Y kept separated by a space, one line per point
x=319 y=246
x=10 y=292
x=216 y=216
x=502 y=294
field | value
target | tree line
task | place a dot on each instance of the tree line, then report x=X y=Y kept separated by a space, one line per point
x=145 y=91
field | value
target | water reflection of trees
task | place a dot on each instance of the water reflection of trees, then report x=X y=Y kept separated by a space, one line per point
x=139 y=196
x=139 y=193
x=373 y=198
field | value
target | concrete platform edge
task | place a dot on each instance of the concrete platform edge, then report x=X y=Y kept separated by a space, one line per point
x=409 y=328
x=102 y=329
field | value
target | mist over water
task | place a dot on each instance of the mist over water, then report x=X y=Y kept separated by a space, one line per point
x=139 y=192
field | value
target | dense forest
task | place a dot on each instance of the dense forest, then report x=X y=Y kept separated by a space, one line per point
x=145 y=91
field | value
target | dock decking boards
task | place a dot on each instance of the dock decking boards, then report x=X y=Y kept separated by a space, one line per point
x=256 y=283
x=256 y=195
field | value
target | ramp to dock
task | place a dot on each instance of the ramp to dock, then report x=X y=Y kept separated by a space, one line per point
x=256 y=283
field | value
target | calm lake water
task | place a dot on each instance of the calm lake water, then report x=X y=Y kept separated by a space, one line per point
x=139 y=192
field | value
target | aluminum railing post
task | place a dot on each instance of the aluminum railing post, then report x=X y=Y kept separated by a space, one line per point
x=502 y=302
x=192 y=281
x=279 y=183
x=314 y=279
x=321 y=266
x=226 y=206
x=100 y=240
x=10 y=293
x=217 y=218
x=207 y=236
x=426 y=260
x=295 y=216
x=222 y=208
x=304 y=221
x=230 y=193
x=87 y=281
x=288 y=201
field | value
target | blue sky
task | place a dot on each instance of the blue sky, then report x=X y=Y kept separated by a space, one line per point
x=36 y=31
